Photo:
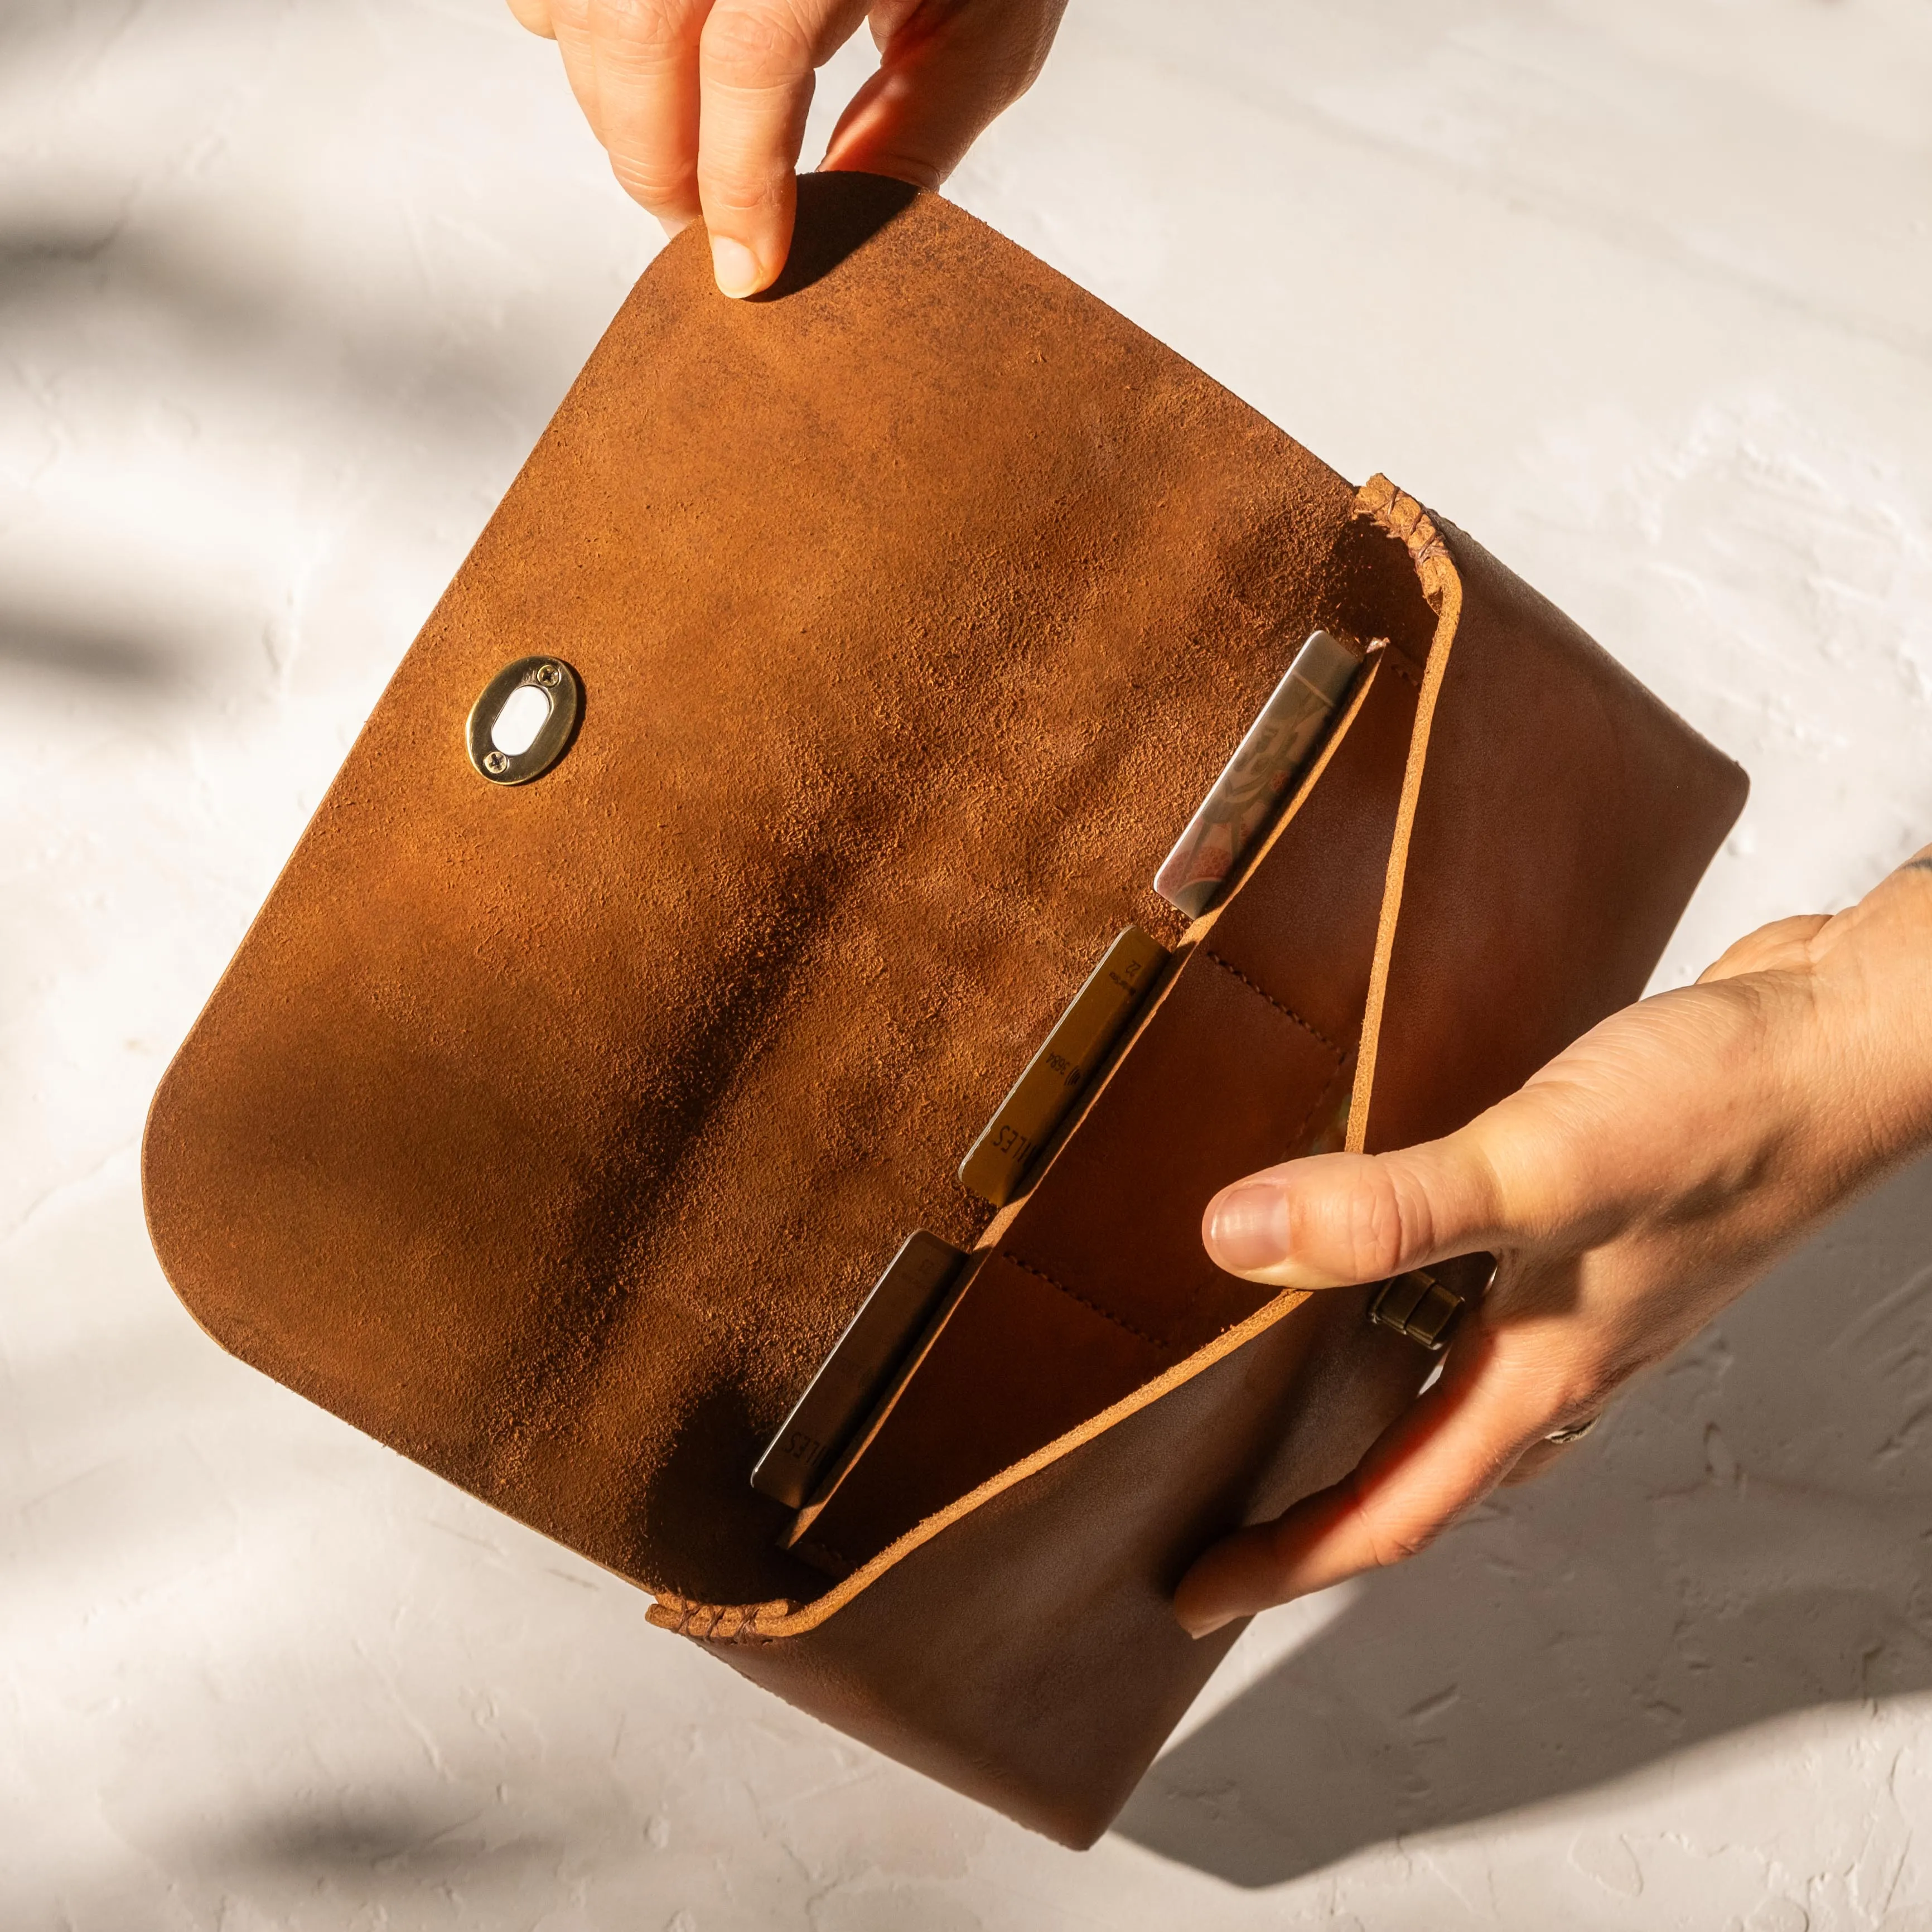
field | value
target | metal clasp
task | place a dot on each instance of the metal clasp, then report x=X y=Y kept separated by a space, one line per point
x=518 y=755
x=1418 y=1305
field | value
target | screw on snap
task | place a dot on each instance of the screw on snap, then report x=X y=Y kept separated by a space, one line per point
x=524 y=720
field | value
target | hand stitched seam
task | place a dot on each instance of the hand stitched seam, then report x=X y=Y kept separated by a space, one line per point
x=1093 y=1307
x=1287 y=1013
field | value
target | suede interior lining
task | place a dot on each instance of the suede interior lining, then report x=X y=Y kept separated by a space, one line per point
x=551 y=1134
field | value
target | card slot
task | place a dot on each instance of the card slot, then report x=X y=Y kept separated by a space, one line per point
x=1301 y=928
x=1218 y=1083
x=1021 y=1360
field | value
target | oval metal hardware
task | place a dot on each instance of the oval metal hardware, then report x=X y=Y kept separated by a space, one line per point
x=560 y=689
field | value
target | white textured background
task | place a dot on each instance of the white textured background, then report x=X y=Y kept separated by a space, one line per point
x=1640 y=293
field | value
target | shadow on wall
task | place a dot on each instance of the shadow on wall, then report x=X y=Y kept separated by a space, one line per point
x=203 y=318
x=1743 y=1538
x=94 y=304
x=37 y=640
x=312 y=1849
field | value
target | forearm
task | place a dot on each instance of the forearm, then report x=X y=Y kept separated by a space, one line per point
x=1835 y=1069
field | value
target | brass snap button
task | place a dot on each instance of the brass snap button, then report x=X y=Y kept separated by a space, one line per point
x=524 y=721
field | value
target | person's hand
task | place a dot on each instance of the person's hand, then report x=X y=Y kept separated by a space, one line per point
x=700 y=104
x=1636 y=1185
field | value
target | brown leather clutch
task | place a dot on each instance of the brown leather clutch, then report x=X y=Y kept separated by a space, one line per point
x=550 y=1131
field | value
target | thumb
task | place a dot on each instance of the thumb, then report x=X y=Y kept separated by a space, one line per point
x=1338 y=1219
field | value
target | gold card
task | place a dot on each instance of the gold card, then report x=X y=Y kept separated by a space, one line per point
x=1043 y=1094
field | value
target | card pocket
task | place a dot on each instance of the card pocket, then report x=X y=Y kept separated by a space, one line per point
x=1095 y=1280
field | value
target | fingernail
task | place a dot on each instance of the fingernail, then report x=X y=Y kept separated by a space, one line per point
x=1198 y=1627
x=1247 y=1226
x=735 y=267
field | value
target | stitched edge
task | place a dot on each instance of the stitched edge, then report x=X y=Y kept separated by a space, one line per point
x=1072 y=1294
x=717 y=1623
x=1403 y=517
x=1287 y=1013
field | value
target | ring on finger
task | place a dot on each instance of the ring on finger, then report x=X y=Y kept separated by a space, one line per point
x=1574 y=1432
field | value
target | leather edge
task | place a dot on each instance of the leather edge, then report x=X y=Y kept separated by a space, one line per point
x=1379 y=502
x=744 y=1623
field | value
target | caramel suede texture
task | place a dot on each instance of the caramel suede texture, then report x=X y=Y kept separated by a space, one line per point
x=551 y=1134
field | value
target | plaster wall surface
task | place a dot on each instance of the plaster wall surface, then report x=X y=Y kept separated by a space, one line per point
x=1640 y=295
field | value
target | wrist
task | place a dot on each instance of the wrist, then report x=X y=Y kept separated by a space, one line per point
x=1872 y=970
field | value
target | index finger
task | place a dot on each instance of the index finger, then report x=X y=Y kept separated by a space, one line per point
x=1448 y=1450
x=756 y=62
x=647 y=61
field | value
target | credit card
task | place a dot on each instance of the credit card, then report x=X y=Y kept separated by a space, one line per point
x=798 y=1536
x=1259 y=778
x=840 y=1396
x=1042 y=1095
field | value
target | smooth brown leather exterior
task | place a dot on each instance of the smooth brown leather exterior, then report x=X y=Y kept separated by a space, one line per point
x=550 y=1134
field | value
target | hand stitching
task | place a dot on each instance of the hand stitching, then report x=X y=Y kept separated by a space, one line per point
x=1314 y=1033
x=1105 y=1314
